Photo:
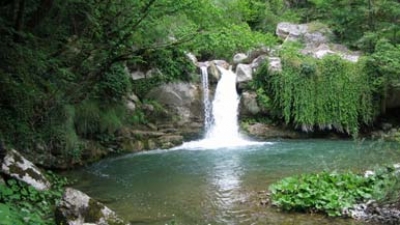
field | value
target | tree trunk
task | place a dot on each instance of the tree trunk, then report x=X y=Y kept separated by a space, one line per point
x=19 y=20
x=40 y=13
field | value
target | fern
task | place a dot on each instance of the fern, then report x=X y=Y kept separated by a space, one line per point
x=328 y=94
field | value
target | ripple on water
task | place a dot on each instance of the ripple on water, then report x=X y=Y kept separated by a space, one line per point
x=219 y=186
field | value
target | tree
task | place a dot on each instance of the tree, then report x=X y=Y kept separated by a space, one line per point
x=62 y=63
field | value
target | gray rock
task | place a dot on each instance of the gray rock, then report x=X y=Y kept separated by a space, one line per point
x=192 y=58
x=320 y=51
x=266 y=131
x=153 y=73
x=257 y=62
x=131 y=106
x=239 y=58
x=221 y=63
x=213 y=73
x=151 y=144
x=134 y=98
x=181 y=99
x=248 y=104
x=138 y=75
x=168 y=141
x=316 y=38
x=275 y=65
x=78 y=208
x=289 y=31
x=244 y=72
x=18 y=167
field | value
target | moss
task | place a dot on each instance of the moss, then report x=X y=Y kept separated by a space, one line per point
x=94 y=211
x=94 y=214
x=17 y=157
x=14 y=169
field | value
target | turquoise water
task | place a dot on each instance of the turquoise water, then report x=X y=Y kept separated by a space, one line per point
x=220 y=186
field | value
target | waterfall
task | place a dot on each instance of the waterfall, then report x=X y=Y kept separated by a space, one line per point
x=206 y=98
x=225 y=109
x=220 y=118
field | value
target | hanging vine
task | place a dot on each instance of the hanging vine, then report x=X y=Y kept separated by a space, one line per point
x=330 y=93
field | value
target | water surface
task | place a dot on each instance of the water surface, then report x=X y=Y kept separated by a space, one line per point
x=220 y=186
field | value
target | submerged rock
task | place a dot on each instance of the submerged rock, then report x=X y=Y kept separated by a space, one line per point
x=18 y=167
x=78 y=208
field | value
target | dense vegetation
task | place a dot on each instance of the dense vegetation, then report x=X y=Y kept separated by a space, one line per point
x=63 y=64
x=328 y=93
x=333 y=93
x=64 y=72
x=22 y=204
x=333 y=192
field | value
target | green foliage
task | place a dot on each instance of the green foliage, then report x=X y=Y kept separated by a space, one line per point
x=114 y=84
x=138 y=117
x=330 y=93
x=173 y=64
x=92 y=119
x=228 y=40
x=263 y=99
x=62 y=63
x=359 y=23
x=142 y=86
x=22 y=204
x=383 y=68
x=330 y=192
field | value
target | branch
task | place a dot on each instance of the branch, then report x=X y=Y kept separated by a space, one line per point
x=145 y=11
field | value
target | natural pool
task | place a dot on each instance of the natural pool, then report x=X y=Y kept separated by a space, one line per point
x=220 y=186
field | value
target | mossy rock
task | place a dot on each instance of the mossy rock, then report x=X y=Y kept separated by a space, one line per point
x=78 y=208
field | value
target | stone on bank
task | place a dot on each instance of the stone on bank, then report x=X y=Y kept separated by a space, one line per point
x=18 y=167
x=77 y=208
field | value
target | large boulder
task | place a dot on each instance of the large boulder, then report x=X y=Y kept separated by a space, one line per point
x=248 y=104
x=214 y=74
x=289 y=31
x=240 y=58
x=244 y=73
x=316 y=38
x=275 y=64
x=78 y=208
x=18 y=167
x=181 y=99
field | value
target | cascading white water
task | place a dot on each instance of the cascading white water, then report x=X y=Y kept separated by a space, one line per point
x=222 y=129
x=206 y=98
x=225 y=109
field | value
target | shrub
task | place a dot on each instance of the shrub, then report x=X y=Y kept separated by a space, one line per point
x=22 y=204
x=331 y=192
x=329 y=93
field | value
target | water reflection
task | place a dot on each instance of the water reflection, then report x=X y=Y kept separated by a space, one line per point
x=226 y=179
x=218 y=186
